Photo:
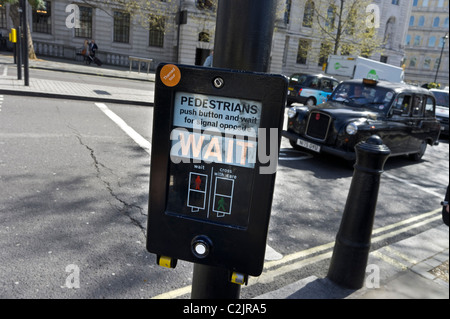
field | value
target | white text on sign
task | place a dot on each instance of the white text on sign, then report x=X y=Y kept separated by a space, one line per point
x=230 y=115
x=210 y=146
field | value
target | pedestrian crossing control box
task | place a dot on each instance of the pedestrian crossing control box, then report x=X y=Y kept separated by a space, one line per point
x=215 y=145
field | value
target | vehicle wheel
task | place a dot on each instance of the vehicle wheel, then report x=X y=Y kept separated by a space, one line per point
x=418 y=156
x=310 y=101
x=294 y=145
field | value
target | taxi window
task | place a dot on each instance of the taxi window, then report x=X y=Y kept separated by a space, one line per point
x=418 y=105
x=326 y=85
x=298 y=79
x=429 y=107
x=402 y=105
x=314 y=83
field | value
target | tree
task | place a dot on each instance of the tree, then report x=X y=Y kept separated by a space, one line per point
x=344 y=27
x=15 y=17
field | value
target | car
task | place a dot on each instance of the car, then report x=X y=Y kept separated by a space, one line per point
x=310 y=89
x=442 y=109
x=403 y=116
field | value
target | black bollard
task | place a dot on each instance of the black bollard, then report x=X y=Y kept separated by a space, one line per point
x=351 y=250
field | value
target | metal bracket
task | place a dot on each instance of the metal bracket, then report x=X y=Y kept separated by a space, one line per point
x=167 y=262
x=238 y=278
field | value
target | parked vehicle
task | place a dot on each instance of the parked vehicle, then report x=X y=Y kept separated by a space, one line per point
x=402 y=115
x=442 y=109
x=310 y=89
x=351 y=67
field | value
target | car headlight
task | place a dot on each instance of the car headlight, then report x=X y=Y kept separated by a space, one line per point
x=292 y=112
x=351 y=128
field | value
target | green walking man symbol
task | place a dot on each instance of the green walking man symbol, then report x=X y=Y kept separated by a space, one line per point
x=221 y=205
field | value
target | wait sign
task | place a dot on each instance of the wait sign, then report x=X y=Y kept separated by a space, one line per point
x=215 y=129
x=206 y=189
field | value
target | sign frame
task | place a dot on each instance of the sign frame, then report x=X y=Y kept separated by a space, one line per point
x=237 y=247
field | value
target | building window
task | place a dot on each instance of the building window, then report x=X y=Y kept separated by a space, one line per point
x=206 y=4
x=156 y=33
x=121 y=27
x=416 y=40
x=421 y=21
x=425 y=3
x=85 y=30
x=303 y=49
x=432 y=42
x=325 y=51
x=412 y=62
x=331 y=16
x=427 y=63
x=436 y=63
x=287 y=12
x=42 y=18
x=436 y=22
x=204 y=36
x=408 y=39
x=2 y=17
x=308 y=14
x=395 y=2
x=411 y=21
x=415 y=2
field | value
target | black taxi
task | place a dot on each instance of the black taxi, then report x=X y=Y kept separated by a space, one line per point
x=402 y=115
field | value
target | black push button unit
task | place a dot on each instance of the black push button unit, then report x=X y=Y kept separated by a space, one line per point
x=215 y=145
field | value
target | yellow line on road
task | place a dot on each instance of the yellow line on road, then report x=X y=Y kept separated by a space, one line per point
x=270 y=275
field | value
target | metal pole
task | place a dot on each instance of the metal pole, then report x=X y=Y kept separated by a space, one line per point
x=444 y=38
x=243 y=41
x=351 y=251
x=244 y=31
x=19 y=53
x=25 y=40
x=213 y=283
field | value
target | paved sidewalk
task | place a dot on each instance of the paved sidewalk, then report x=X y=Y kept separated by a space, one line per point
x=405 y=270
x=74 y=90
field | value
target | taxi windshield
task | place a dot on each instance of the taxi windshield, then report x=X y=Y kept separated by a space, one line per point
x=441 y=98
x=363 y=96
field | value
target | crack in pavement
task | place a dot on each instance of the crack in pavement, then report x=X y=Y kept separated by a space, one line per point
x=126 y=208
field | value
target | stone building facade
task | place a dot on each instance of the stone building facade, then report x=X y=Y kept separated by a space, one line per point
x=189 y=28
x=425 y=41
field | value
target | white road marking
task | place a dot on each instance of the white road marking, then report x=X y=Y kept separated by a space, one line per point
x=5 y=71
x=142 y=142
x=423 y=189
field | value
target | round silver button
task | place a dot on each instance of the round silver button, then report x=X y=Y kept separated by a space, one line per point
x=200 y=248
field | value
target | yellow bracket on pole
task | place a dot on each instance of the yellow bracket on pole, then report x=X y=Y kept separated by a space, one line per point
x=13 y=36
x=167 y=262
x=238 y=278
